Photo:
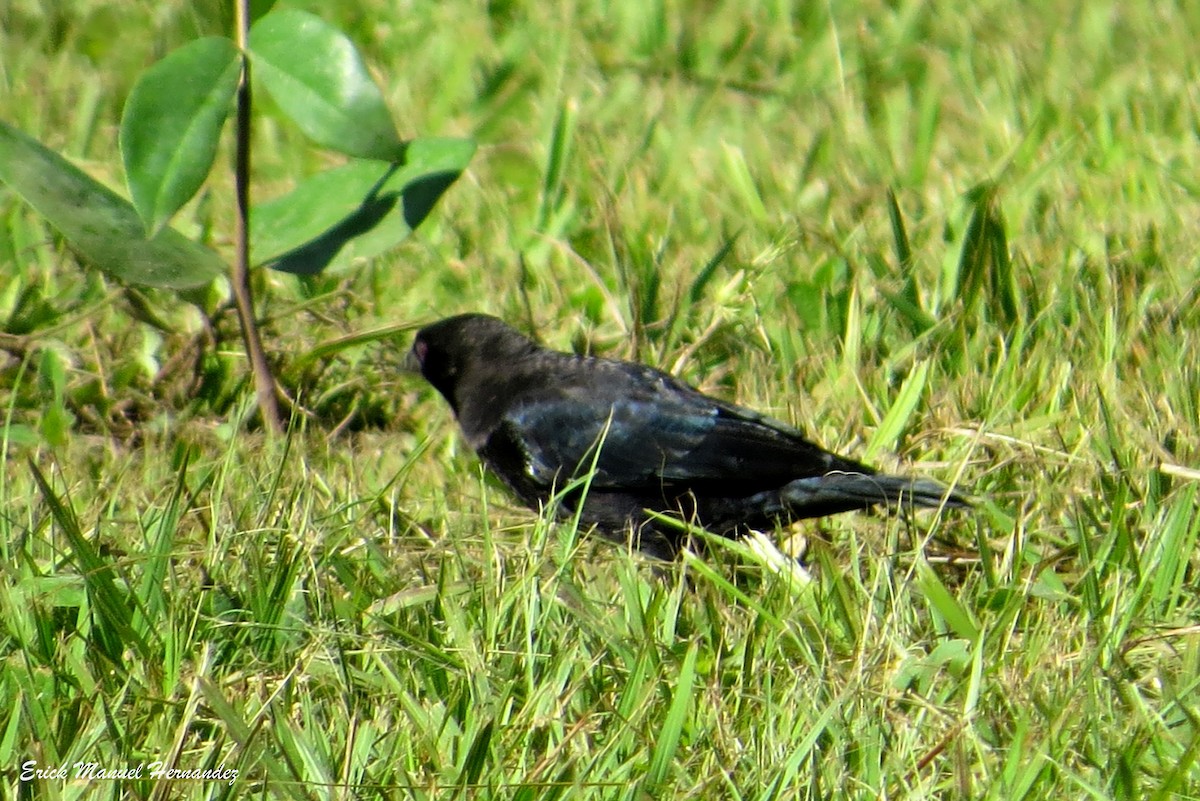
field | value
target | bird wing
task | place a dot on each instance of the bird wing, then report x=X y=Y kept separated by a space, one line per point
x=659 y=434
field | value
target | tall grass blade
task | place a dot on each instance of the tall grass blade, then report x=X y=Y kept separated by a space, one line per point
x=668 y=741
x=942 y=601
x=114 y=625
x=244 y=735
x=899 y=415
x=556 y=163
x=1180 y=773
x=149 y=614
x=700 y=282
x=1176 y=542
x=814 y=730
x=904 y=255
x=908 y=300
x=476 y=759
x=742 y=182
x=985 y=268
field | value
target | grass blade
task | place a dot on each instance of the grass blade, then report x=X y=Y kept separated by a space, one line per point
x=668 y=742
x=1176 y=540
x=476 y=758
x=985 y=266
x=897 y=419
x=899 y=233
x=556 y=161
x=114 y=625
x=243 y=734
x=696 y=290
x=742 y=182
x=148 y=615
x=960 y=621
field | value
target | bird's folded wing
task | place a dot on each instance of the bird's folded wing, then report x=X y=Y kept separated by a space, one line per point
x=661 y=442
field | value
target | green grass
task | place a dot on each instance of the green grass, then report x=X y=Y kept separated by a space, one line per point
x=357 y=611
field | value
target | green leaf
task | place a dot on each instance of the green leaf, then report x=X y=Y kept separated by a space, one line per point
x=9 y=738
x=1179 y=531
x=235 y=725
x=52 y=373
x=807 y=731
x=260 y=8
x=356 y=211
x=102 y=227
x=31 y=311
x=172 y=124
x=152 y=609
x=317 y=77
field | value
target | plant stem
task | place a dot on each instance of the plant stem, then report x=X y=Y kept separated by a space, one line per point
x=264 y=381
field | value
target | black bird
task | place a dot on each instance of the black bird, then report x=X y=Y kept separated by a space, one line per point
x=536 y=417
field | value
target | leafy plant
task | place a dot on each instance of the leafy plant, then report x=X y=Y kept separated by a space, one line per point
x=169 y=137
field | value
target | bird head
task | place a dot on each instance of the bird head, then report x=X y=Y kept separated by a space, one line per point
x=464 y=349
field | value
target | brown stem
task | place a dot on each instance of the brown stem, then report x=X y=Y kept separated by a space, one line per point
x=264 y=381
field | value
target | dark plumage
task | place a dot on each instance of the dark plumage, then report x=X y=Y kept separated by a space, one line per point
x=535 y=417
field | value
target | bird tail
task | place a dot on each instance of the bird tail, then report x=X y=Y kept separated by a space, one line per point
x=843 y=492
